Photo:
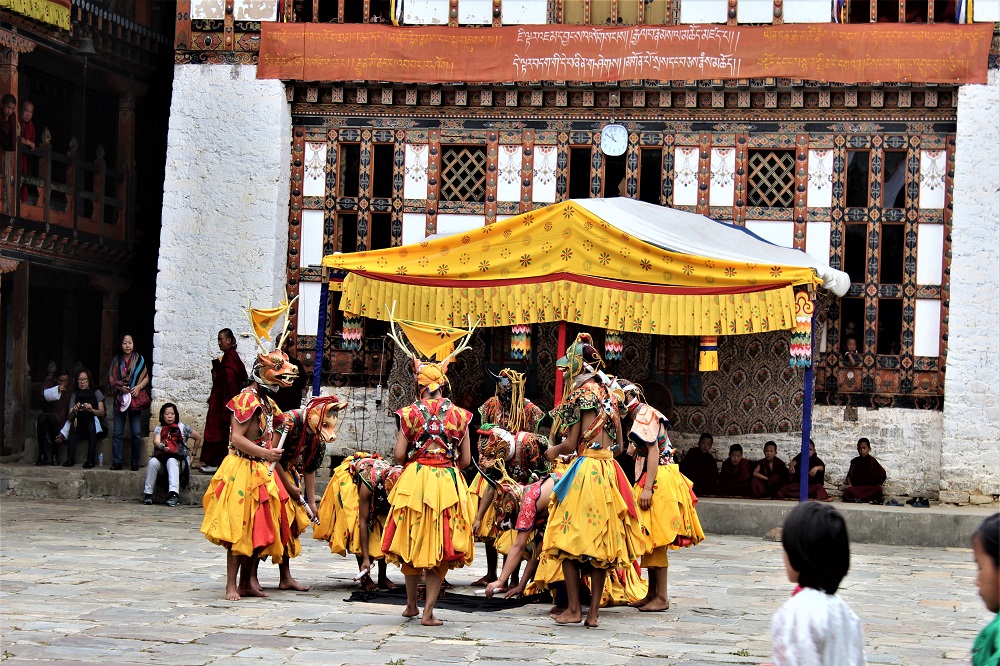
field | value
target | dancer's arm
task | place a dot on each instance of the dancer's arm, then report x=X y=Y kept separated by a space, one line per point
x=484 y=504
x=364 y=511
x=652 y=465
x=510 y=563
x=400 y=451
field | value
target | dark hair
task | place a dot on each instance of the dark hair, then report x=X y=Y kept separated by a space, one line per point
x=61 y=371
x=706 y=435
x=736 y=447
x=177 y=414
x=228 y=332
x=771 y=443
x=988 y=536
x=121 y=340
x=83 y=370
x=8 y=99
x=814 y=536
x=865 y=440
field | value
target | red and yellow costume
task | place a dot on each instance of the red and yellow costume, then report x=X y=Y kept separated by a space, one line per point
x=243 y=501
x=671 y=519
x=339 y=512
x=430 y=525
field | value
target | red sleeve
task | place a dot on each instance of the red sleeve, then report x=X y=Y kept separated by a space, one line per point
x=244 y=405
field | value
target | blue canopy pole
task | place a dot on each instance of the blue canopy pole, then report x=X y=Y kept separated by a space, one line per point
x=324 y=292
x=807 y=414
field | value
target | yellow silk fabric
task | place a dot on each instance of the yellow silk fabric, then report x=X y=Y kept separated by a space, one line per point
x=230 y=516
x=563 y=242
x=430 y=340
x=264 y=320
x=339 y=516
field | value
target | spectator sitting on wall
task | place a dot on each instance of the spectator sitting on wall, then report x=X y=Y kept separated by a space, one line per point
x=700 y=466
x=56 y=393
x=84 y=418
x=170 y=451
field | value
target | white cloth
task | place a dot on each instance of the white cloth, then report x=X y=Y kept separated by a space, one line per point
x=814 y=628
x=52 y=394
x=689 y=233
x=153 y=468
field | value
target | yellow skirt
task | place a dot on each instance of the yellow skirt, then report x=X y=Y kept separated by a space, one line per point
x=339 y=517
x=477 y=489
x=621 y=587
x=671 y=520
x=429 y=524
x=243 y=509
x=593 y=522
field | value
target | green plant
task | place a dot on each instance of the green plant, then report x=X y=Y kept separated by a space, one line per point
x=742 y=653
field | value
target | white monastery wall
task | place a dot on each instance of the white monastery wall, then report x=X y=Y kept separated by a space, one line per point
x=970 y=462
x=225 y=224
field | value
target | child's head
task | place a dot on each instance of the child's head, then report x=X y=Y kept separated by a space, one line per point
x=735 y=453
x=770 y=450
x=168 y=414
x=812 y=448
x=851 y=344
x=705 y=442
x=817 y=550
x=986 y=549
x=864 y=447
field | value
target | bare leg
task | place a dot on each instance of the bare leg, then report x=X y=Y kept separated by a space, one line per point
x=650 y=591
x=596 y=592
x=491 y=564
x=286 y=582
x=433 y=582
x=249 y=587
x=660 y=602
x=573 y=612
x=515 y=577
x=411 y=595
x=232 y=568
x=383 y=577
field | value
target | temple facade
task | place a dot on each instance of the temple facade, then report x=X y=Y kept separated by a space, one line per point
x=894 y=183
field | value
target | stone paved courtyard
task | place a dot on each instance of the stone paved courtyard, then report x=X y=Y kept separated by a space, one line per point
x=122 y=583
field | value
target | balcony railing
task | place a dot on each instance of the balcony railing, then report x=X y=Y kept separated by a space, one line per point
x=69 y=191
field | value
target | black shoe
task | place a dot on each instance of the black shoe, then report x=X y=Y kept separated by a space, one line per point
x=135 y=467
x=42 y=460
x=68 y=463
x=147 y=499
x=54 y=461
x=115 y=467
x=88 y=465
x=173 y=499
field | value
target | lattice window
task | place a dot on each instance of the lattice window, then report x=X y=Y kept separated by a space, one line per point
x=463 y=173
x=772 y=178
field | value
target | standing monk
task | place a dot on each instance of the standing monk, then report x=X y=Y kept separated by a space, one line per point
x=229 y=376
x=27 y=142
x=865 y=477
x=595 y=525
x=430 y=524
x=699 y=465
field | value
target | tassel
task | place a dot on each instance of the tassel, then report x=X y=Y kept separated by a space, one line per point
x=800 y=347
x=520 y=341
x=708 y=353
x=353 y=330
x=612 y=345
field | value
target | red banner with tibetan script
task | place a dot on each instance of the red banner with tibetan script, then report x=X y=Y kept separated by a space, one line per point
x=437 y=54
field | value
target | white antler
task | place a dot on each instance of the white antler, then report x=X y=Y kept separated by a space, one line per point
x=395 y=337
x=287 y=329
x=465 y=342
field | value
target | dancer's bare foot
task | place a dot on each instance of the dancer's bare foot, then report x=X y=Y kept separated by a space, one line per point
x=445 y=585
x=251 y=592
x=430 y=621
x=566 y=617
x=655 y=605
x=386 y=584
x=232 y=593
x=556 y=610
x=484 y=581
x=410 y=611
x=641 y=602
x=292 y=584
x=591 y=624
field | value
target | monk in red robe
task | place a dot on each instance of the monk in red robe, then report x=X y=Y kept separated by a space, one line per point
x=229 y=376
x=734 y=478
x=816 y=471
x=27 y=142
x=769 y=475
x=700 y=467
x=865 y=477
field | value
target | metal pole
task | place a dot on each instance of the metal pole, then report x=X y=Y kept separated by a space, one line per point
x=807 y=412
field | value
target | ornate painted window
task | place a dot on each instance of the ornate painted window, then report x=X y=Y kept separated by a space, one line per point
x=463 y=174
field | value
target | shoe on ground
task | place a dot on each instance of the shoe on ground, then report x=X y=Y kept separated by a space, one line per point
x=115 y=467
x=42 y=460
x=208 y=469
x=135 y=467
x=88 y=465
x=68 y=463
x=147 y=499
x=54 y=461
x=173 y=499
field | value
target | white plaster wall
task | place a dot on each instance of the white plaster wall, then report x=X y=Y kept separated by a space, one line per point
x=225 y=223
x=906 y=441
x=972 y=400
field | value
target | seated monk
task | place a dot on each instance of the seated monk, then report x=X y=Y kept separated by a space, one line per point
x=815 y=470
x=734 y=478
x=769 y=475
x=865 y=477
x=700 y=467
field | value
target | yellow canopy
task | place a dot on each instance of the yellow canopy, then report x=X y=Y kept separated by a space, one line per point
x=564 y=263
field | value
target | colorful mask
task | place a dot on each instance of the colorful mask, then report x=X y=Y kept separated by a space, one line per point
x=322 y=415
x=273 y=370
x=507 y=503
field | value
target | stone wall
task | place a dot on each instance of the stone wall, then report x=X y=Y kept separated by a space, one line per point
x=225 y=223
x=972 y=400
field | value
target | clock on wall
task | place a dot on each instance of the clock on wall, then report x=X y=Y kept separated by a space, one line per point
x=614 y=140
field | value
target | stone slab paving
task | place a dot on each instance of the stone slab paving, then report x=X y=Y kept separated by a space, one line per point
x=85 y=582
